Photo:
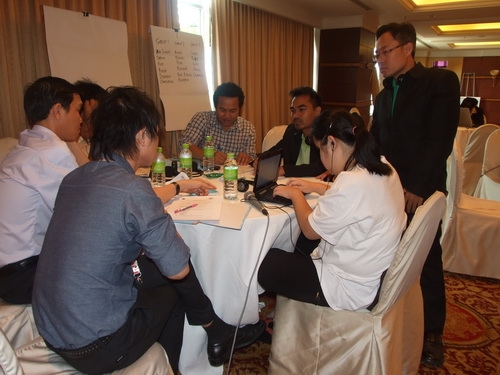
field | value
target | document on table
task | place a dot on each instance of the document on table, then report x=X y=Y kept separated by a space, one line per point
x=195 y=208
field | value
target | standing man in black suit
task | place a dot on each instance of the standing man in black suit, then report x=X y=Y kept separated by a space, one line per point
x=415 y=121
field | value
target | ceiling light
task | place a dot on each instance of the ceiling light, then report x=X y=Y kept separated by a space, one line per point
x=490 y=26
x=492 y=44
x=428 y=5
x=423 y=3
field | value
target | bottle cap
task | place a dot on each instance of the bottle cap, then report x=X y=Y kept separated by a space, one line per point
x=185 y=145
x=159 y=149
x=209 y=138
x=230 y=155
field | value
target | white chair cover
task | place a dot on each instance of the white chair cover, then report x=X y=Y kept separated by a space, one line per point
x=309 y=339
x=6 y=144
x=35 y=358
x=24 y=352
x=471 y=228
x=488 y=186
x=273 y=136
x=9 y=365
x=17 y=323
x=473 y=156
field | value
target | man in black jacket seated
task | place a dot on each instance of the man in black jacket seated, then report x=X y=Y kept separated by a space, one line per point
x=301 y=159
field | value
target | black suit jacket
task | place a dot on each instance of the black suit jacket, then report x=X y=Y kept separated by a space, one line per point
x=418 y=137
x=290 y=143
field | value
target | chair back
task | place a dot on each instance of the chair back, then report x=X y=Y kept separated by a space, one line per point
x=473 y=156
x=273 y=136
x=488 y=186
x=6 y=145
x=9 y=364
x=406 y=267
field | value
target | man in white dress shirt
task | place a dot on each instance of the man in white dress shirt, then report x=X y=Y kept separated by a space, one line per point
x=30 y=176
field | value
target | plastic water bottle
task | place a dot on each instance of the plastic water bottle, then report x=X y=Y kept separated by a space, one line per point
x=186 y=160
x=230 y=177
x=208 y=155
x=158 y=169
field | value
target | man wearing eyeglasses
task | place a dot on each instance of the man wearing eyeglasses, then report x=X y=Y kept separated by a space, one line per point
x=415 y=121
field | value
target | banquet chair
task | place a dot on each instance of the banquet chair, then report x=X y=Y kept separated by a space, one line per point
x=6 y=144
x=488 y=186
x=273 y=136
x=473 y=156
x=471 y=228
x=24 y=352
x=310 y=339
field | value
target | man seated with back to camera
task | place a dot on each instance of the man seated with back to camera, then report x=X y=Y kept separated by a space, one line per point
x=89 y=304
x=358 y=239
x=230 y=132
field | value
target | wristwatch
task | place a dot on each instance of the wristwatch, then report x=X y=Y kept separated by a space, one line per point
x=177 y=188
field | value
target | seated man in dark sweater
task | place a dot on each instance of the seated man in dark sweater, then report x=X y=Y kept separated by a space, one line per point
x=301 y=159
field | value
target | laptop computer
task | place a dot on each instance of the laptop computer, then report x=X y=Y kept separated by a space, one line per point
x=266 y=177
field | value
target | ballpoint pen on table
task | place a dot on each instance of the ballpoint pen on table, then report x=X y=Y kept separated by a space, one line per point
x=185 y=208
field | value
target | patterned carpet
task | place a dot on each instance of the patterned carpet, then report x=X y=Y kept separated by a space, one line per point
x=471 y=335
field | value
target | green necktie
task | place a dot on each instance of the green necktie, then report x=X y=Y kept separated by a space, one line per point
x=304 y=154
x=395 y=87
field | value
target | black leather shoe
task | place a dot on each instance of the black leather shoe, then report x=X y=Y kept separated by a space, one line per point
x=219 y=352
x=432 y=354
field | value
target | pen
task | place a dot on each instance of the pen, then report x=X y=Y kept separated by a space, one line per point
x=185 y=208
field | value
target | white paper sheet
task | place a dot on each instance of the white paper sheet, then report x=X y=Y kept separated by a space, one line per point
x=195 y=208
x=87 y=47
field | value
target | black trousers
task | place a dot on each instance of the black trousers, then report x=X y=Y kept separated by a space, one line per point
x=433 y=288
x=157 y=316
x=292 y=275
x=17 y=288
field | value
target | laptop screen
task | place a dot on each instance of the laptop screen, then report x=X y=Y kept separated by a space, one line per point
x=267 y=169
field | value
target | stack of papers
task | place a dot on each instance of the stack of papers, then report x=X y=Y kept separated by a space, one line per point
x=210 y=209
x=195 y=208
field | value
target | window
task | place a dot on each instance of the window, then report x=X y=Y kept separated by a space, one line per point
x=194 y=18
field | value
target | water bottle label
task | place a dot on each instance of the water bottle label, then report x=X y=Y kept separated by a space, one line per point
x=186 y=163
x=158 y=168
x=209 y=152
x=230 y=174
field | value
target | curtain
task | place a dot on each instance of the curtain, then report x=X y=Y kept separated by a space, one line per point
x=266 y=55
x=23 y=49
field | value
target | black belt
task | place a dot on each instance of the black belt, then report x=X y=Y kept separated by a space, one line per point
x=86 y=351
x=11 y=268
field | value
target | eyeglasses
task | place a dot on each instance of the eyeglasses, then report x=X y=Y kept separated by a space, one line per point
x=377 y=56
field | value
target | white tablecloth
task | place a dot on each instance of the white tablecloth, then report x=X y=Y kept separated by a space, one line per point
x=224 y=260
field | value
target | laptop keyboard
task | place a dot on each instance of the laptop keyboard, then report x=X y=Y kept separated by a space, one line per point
x=268 y=196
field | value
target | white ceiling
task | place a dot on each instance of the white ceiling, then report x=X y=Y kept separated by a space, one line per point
x=330 y=14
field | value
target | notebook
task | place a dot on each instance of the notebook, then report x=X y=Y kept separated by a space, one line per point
x=266 y=177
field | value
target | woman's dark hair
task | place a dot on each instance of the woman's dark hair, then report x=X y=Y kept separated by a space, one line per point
x=118 y=119
x=41 y=95
x=90 y=90
x=350 y=129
